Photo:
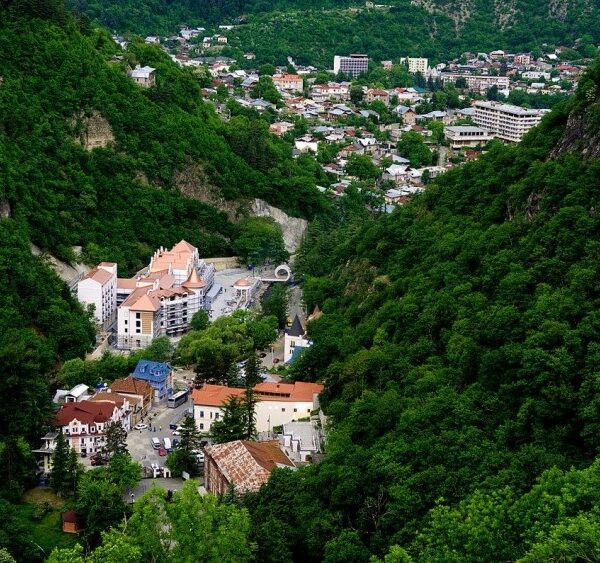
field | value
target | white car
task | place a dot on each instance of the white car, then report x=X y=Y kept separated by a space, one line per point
x=141 y=426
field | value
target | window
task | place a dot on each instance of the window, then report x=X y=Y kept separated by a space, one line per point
x=216 y=416
x=282 y=409
x=125 y=331
x=138 y=316
x=137 y=331
x=201 y=414
x=125 y=321
x=138 y=323
x=295 y=410
x=201 y=426
x=211 y=415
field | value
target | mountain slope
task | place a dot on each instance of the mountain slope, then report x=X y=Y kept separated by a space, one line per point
x=313 y=31
x=459 y=345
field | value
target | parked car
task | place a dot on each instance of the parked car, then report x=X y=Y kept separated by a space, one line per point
x=162 y=452
x=175 y=442
x=141 y=426
x=263 y=354
x=83 y=454
x=276 y=360
x=98 y=460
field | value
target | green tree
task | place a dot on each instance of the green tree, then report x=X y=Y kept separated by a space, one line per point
x=362 y=167
x=260 y=239
x=275 y=303
x=184 y=457
x=412 y=146
x=266 y=90
x=356 y=94
x=116 y=439
x=233 y=425
x=200 y=320
x=59 y=474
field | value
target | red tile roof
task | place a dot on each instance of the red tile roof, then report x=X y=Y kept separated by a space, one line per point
x=132 y=386
x=247 y=465
x=86 y=412
x=298 y=392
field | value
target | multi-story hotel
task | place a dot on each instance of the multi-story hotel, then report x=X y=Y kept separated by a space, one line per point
x=460 y=136
x=160 y=301
x=506 y=122
x=352 y=65
x=98 y=289
x=416 y=64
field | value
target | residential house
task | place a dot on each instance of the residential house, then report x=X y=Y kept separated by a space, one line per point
x=277 y=403
x=396 y=173
x=84 y=424
x=339 y=91
x=306 y=144
x=75 y=395
x=139 y=392
x=159 y=375
x=289 y=82
x=280 y=128
x=377 y=94
x=45 y=452
x=407 y=114
x=366 y=145
x=143 y=76
x=243 y=465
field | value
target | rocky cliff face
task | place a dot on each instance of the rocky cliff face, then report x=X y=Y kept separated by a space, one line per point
x=579 y=137
x=292 y=227
x=93 y=130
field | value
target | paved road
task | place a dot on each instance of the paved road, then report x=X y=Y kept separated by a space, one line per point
x=139 y=442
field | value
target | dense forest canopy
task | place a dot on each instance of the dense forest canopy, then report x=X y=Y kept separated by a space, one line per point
x=313 y=31
x=459 y=345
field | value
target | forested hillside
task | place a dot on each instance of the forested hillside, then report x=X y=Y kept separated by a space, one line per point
x=313 y=31
x=460 y=347
x=60 y=82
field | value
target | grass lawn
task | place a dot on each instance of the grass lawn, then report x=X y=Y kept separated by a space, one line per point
x=47 y=532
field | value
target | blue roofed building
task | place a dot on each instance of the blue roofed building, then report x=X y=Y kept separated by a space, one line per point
x=159 y=375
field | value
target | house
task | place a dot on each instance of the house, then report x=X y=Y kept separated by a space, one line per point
x=306 y=144
x=139 y=392
x=98 y=289
x=143 y=76
x=159 y=375
x=71 y=522
x=295 y=339
x=396 y=173
x=435 y=115
x=84 y=423
x=79 y=393
x=366 y=145
x=45 y=452
x=290 y=82
x=330 y=91
x=378 y=94
x=280 y=128
x=221 y=39
x=387 y=65
x=300 y=441
x=276 y=403
x=243 y=465
x=407 y=114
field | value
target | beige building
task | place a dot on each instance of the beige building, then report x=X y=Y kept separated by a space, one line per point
x=416 y=64
x=98 y=288
x=143 y=76
x=506 y=122
x=477 y=82
x=277 y=403
x=290 y=82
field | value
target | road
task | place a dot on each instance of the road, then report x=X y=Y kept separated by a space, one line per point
x=139 y=442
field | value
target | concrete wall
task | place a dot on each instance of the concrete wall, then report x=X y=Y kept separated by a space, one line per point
x=293 y=228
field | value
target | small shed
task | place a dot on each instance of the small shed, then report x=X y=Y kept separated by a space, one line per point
x=71 y=522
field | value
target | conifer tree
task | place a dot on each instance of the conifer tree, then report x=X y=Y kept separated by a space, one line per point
x=116 y=439
x=59 y=477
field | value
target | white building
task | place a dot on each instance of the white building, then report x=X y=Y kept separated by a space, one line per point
x=416 y=64
x=299 y=441
x=295 y=339
x=506 y=122
x=460 y=136
x=161 y=301
x=353 y=65
x=477 y=82
x=277 y=403
x=99 y=289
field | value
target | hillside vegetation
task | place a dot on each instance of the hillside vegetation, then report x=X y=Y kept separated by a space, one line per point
x=117 y=202
x=313 y=31
x=459 y=344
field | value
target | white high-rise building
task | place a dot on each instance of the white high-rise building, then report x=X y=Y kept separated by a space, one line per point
x=352 y=65
x=99 y=288
x=506 y=122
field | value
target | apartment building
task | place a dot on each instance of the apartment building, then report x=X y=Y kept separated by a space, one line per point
x=416 y=64
x=477 y=82
x=460 y=136
x=98 y=288
x=289 y=82
x=506 y=122
x=354 y=65
x=339 y=91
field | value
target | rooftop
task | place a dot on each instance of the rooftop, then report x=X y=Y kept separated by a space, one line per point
x=151 y=371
